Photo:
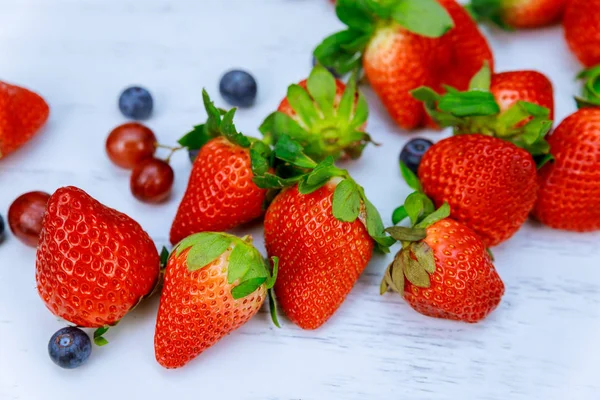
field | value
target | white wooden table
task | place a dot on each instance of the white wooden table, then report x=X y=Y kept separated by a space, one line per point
x=542 y=342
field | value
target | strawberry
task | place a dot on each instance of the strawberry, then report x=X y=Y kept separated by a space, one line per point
x=509 y=88
x=582 y=30
x=323 y=230
x=220 y=194
x=325 y=116
x=486 y=173
x=214 y=283
x=444 y=269
x=569 y=195
x=468 y=49
x=93 y=263
x=399 y=47
x=511 y=14
x=22 y=114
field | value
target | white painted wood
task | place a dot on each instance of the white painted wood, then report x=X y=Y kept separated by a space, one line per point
x=540 y=344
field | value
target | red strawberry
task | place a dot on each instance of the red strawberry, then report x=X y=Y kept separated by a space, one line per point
x=569 y=195
x=582 y=30
x=531 y=86
x=400 y=51
x=22 y=115
x=323 y=231
x=444 y=270
x=93 y=263
x=468 y=49
x=220 y=193
x=489 y=183
x=519 y=13
x=325 y=116
x=214 y=283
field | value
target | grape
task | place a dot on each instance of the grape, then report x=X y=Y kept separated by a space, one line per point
x=151 y=181
x=129 y=144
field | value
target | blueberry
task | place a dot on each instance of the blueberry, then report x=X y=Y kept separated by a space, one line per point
x=413 y=151
x=238 y=88
x=1 y=228
x=193 y=153
x=330 y=69
x=69 y=347
x=136 y=103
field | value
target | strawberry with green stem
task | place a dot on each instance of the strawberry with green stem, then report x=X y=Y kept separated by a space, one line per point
x=325 y=116
x=323 y=229
x=220 y=194
x=214 y=283
x=486 y=171
x=443 y=269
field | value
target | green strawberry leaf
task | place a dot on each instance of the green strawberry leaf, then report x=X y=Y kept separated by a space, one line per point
x=399 y=215
x=164 y=257
x=413 y=270
x=490 y=10
x=319 y=176
x=404 y=234
x=543 y=159
x=99 y=340
x=260 y=155
x=270 y=181
x=482 y=80
x=355 y=15
x=196 y=138
x=302 y=104
x=424 y=255
x=346 y=106
x=591 y=88
x=473 y=103
x=361 y=114
x=441 y=213
x=228 y=130
x=206 y=247
x=322 y=88
x=247 y=287
x=273 y=307
x=346 y=201
x=240 y=260
x=411 y=179
x=339 y=51
x=273 y=277
x=375 y=226
x=418 y=206
x=291 y=151
x=424 y=17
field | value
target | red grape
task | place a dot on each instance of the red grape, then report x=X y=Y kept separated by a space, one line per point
x=129 y=144
x=151 y=180
x=25 y=216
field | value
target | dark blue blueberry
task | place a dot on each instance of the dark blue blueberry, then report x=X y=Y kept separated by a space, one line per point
x=333 y=71
x=136 y=103
x=1 y=229
x=193 y=154
x=69 y=347
x=413 y=151
x=238 y=88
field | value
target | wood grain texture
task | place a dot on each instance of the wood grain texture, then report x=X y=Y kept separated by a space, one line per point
x=540 y=344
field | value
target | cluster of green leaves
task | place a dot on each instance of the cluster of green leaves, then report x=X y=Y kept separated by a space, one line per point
x=320 y=127
x=218 y=123
x=415 y=261
x=343 y=50
x=349 y=198
x=591 y=88
x=476 y=111
x=246 y=265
